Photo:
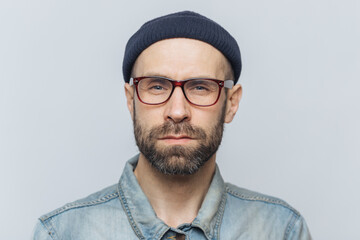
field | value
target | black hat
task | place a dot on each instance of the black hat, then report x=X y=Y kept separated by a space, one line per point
x=184 y=24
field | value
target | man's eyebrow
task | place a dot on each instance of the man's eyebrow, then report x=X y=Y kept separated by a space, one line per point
x=154 y=74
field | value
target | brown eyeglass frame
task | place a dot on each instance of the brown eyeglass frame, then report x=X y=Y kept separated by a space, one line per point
x=176 y=83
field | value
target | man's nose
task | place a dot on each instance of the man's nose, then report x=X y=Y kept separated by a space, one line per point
x=177 y=107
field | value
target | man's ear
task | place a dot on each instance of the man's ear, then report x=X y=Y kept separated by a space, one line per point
x=232 y=102
x=129 y=93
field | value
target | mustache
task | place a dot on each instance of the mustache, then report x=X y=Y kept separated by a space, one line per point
x=171 y=128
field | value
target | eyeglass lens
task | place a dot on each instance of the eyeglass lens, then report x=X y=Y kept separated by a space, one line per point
x=198 y=91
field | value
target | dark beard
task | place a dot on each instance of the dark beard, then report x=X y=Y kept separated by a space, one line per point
x=179 y=160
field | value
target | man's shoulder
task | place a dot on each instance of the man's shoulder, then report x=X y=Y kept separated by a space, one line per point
x=241 y=195
x=95 y=216
x=263 y=216
x=93 y=200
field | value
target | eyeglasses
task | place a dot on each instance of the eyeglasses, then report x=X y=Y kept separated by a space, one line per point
x=203 y=92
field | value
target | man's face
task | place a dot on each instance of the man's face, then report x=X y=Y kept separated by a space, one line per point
x=177 y=137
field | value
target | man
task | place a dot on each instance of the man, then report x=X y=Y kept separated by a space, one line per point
x=181 y=72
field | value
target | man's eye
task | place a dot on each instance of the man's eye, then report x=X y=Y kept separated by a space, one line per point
x=156 y=87
x=200 y=88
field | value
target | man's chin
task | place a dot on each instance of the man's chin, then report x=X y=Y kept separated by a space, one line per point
x=177 y=170
x=174 y=162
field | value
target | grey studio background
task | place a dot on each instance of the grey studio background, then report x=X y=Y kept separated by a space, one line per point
x=65 y=131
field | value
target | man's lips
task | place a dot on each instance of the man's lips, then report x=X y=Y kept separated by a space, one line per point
x=176 y=137
x=173 y=139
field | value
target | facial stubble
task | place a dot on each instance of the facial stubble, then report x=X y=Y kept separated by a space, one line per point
x=178 y=159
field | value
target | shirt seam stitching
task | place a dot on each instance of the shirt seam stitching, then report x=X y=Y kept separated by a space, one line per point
x=262 y=199
x=50 y=229
x=128 y=213
x=220 y=215
x=70 y=206
x=291 y=225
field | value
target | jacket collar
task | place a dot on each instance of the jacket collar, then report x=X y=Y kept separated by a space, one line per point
x=143 y=219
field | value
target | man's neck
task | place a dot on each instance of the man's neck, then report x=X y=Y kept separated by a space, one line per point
x=175 y=199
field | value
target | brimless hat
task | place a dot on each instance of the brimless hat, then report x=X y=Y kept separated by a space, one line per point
x=182 y=25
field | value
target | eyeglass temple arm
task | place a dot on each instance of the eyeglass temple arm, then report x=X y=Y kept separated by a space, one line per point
x=228 y=83
x=131 y=81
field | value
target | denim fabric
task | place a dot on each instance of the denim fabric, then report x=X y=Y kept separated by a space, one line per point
x=122 y=211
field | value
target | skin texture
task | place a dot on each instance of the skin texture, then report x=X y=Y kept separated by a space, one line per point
x=176 y=199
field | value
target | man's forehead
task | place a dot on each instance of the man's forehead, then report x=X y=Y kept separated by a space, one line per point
x=191 y=57
x=182 y=43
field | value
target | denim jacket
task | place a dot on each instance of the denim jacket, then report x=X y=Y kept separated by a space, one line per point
x=122 y=211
